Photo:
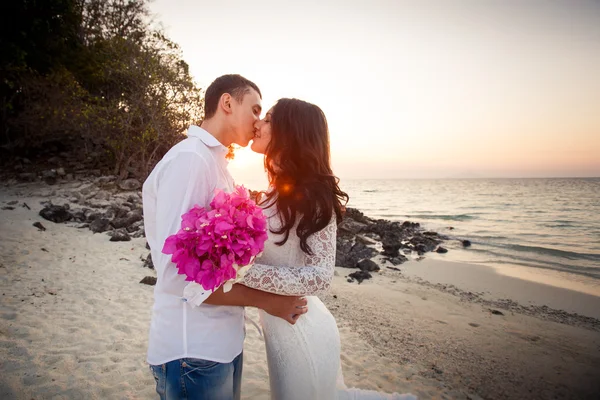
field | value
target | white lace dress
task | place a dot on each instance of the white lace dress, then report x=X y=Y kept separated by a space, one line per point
x=303 y=359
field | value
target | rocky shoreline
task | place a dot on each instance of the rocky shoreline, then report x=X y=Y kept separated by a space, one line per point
x=102 y=204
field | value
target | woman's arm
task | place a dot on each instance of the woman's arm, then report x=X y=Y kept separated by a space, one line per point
x=310 y=280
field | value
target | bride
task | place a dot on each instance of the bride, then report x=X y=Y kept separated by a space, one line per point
x=303 y=207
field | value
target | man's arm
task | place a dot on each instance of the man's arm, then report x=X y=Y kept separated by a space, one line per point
x=188 y=180
x=288 y=308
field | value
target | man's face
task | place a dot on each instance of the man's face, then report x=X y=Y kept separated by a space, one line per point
x=245 y=114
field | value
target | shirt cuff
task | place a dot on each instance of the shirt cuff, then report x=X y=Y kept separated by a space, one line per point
x=195 y=294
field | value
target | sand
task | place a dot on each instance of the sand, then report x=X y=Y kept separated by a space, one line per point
x=74 y=321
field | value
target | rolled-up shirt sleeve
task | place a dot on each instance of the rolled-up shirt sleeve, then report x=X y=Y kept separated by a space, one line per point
x=185 y=181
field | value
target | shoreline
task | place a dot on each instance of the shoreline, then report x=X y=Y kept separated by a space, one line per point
x=482 y=285
x=458 y=339
x=550 y=277
x=72 y=302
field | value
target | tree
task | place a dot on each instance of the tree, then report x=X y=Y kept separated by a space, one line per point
x=95 y=69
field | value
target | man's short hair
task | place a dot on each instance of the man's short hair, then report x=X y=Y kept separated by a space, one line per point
x=236 y=85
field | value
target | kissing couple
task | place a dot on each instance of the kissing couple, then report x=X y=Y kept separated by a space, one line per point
x=195 y=346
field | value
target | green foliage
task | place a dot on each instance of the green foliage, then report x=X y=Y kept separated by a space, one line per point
x=94 y=69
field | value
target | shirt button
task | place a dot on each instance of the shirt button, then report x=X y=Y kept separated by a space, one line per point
x=184 y=364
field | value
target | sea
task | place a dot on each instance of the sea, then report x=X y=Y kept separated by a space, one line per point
x=546 y=230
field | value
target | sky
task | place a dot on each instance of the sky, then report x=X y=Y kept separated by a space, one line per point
x=414 y=89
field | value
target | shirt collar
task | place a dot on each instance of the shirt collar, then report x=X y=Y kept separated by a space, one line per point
x=205 y=137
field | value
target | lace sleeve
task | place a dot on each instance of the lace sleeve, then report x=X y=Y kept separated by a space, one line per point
x=310 y=280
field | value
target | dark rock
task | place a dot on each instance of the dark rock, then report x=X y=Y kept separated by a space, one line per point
x=357 y=216
x=79 y=216
x=348 y=255
x=367 y=265
x=104 y=180
x=139 y=234
x=365 y=240
x=50 y=180
x=466 y=243
x=131 y=218
x=132 y=199
x=420 y=248
x=49 y=174
x=397 y=260
x=129 y=205
x=372 y=235
x=496 y=312
x=147 y=246
x=130 y=184
x=57 y=214
x=102 y=195
x=350 y=226
x=91 y=216
x=394 y=269
x=411 y=225
x=441 y=250
x=149 y=280
x=8 y=208
x=148 y=262
x=120 y=235
x=423 y=244
x=27 y=177
x=12 y=203
x=100 y=225
x=391 y=248
x=39 y=226
x=115 y=211
x=360 y=276
x=26 y=206
x=385 y=228
x=135 y=227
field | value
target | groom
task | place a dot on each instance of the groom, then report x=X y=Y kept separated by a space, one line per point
x=196 y=352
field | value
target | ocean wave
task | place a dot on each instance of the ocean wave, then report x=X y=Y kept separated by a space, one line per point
x=560 y=226
x=548 y=251
x=581 y=271
x=522 y=259
x=456 y=217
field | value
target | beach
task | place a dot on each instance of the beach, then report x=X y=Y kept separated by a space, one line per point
x=74 y=319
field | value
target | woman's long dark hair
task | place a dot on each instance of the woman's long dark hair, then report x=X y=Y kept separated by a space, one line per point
x=297 y=161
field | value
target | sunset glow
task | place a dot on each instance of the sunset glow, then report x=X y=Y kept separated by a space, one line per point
x=428 y=89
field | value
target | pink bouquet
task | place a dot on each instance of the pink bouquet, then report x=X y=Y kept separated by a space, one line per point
x=213 y=246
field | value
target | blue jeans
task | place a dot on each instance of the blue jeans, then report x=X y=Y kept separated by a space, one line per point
x=195 y=379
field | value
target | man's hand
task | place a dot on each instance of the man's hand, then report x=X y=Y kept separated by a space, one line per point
x=289 y=308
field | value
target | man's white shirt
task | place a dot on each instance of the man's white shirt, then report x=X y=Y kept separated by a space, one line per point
x=187 y=175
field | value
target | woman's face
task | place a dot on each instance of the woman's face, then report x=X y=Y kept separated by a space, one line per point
x=262 y=135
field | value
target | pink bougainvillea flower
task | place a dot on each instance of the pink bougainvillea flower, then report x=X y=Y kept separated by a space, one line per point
x=212 y=244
